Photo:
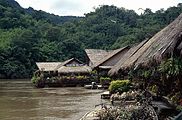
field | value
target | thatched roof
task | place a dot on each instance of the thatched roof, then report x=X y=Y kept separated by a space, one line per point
x=96 y=55
x=110 y=55
x=77 y=69
x=67 y=62
x=62 y=68
x=105 y=67
x=48 y=66
x=125 y=57
x=161 y=45
x=72 y=59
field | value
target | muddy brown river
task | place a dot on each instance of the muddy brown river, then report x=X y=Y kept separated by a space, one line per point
x=19 y=100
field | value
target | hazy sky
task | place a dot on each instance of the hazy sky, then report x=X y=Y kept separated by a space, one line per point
x=79 y=7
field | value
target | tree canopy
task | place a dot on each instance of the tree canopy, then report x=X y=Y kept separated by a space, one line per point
x=28 y=36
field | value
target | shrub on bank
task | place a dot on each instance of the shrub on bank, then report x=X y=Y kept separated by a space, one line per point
x=80 y=77
x=105 y=80
x=38 y=81
x=119 y=86
x=35 y=79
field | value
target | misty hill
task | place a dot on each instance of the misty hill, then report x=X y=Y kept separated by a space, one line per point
x=55 y=19
x=14 y=7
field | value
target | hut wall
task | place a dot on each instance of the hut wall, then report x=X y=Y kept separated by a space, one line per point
x=113 y=60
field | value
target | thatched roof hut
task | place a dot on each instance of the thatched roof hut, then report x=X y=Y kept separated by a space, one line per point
x=69 y=66
x=162 y=45
x=95 y=55
x=111 y=59
x=47 y=66
x=73 y=66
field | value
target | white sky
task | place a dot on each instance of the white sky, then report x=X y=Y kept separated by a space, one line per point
x=79 y=7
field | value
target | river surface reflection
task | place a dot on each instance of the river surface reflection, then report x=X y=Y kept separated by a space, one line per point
x=20 y=101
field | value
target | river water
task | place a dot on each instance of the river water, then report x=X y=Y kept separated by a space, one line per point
x=19 y=100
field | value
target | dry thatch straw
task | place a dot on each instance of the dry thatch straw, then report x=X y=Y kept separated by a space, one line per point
x=164 y=44
x=67 y=62
x=76 y=69
x=96 y=55
x=63 y=67
x=47 y=66
x=131 y=52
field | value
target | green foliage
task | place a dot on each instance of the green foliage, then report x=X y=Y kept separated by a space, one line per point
x=146 y=74
x=119 y=86
x=81 y=77
x=105 y=80
x=179 y=108
x=171 y=67
x=28 y=36
x=176 y=98
x=35 y=79
x=154 y=88
x=94 y=72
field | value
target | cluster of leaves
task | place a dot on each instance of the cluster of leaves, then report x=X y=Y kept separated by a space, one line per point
x=61 y=78
x=35 y=79
x=38 y=79
x=29 y=36
x=105 y=80
x=119 y=86
x=81 y=77
x=163 y=78
x=171 y=70
x=171 y=67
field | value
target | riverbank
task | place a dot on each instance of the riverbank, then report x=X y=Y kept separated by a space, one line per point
x=135 y=104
